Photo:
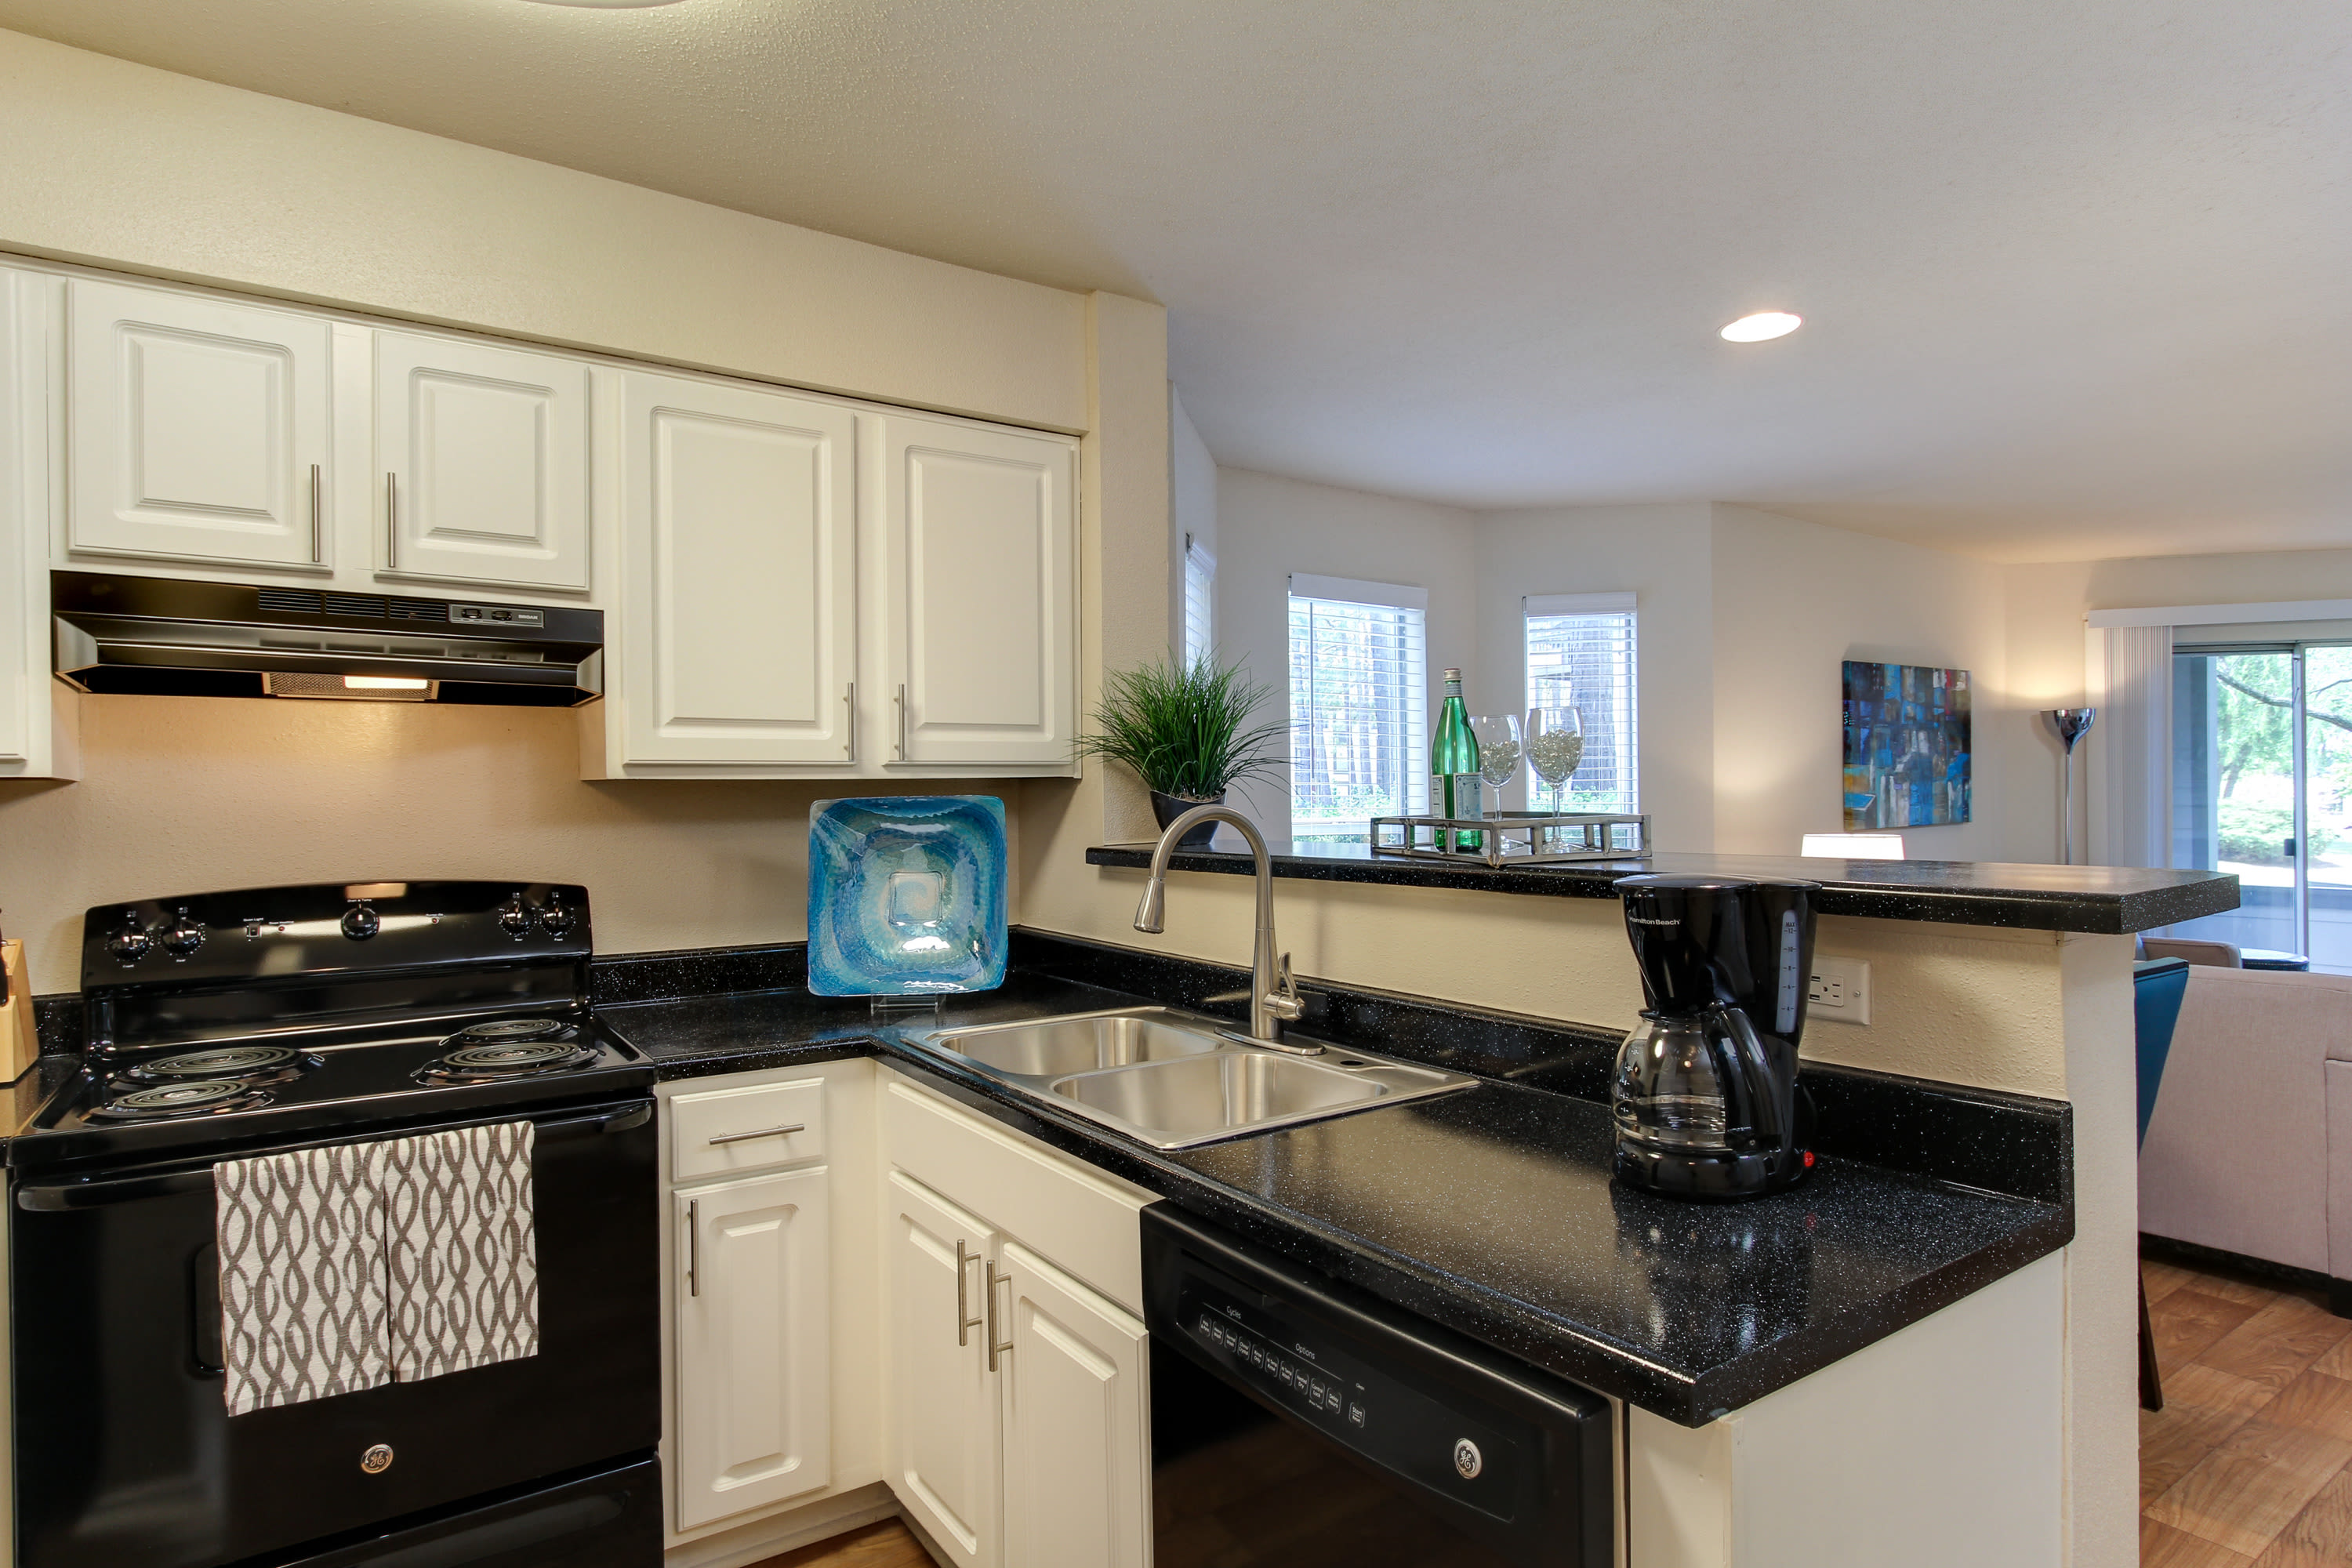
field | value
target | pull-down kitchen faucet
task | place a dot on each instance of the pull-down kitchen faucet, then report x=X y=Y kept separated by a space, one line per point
x=1274 y=998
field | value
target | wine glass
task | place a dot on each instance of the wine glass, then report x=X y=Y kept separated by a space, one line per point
x=1555 y=746
x=1499 y=750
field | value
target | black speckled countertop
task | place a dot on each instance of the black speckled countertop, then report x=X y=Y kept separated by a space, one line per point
x=1490 y=1210
x=2104 y=900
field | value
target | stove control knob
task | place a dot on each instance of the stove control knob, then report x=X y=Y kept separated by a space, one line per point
x=556 y=917
x=516 y=917
x=360 y=922
x=130 y=944
x=182 y=936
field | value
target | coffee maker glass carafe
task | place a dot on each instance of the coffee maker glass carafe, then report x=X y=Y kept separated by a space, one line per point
x=1706 y=1099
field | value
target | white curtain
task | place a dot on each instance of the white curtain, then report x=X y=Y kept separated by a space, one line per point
x=2130 y=746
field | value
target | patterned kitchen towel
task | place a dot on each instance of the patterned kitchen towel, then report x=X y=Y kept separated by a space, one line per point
x=463 y=1248
x=301 y=1276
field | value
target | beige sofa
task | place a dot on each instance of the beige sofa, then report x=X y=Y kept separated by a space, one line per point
x=2250 y=1150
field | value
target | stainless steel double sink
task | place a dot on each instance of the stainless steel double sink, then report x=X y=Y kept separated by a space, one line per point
x=1172 y=1078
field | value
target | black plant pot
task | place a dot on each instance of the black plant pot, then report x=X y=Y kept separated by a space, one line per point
x=1167 y=809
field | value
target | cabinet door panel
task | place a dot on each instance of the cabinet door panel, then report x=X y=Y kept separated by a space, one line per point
x=196 y=426
x=944 y=1463
x=485 y=454
x=739 y=557
x=1077 y=1454
x=23 y=466
x=754 y=1419
x=979 y=530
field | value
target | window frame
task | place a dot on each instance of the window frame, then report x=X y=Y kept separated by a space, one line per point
x=1621 y=697
x=1407 y=725
x=1200 y=592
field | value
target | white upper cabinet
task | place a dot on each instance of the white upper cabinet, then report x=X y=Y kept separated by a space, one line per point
x=200 y=429
x=38 y=731
x=737 y=630
x=980 y=619
x=483 y=453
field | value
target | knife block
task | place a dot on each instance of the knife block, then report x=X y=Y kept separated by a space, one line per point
x=20 y=1044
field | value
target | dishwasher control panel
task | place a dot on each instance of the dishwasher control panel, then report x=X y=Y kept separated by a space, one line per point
x=1314 y=1376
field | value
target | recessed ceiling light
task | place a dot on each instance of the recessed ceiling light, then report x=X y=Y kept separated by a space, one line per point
x=1763 y=324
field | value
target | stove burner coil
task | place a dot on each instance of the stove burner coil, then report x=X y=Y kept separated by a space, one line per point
x=246 y=1062
x=530 y=1056
x=510 y=1048
x=510 y=1029
x=199 y=1098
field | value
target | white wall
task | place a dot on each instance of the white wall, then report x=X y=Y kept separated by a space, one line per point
x=1659 y=553
x=1191 y=510
x=125 y=167
x=1793 y=601
x=1744 y=617
x=1268 y=528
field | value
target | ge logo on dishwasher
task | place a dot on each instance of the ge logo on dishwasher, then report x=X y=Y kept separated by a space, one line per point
x=1467 y=1460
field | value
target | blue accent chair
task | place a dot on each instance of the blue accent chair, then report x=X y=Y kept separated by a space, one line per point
x=2157 y=986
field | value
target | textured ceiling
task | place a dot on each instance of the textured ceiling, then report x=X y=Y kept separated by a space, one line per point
x=2075 y=277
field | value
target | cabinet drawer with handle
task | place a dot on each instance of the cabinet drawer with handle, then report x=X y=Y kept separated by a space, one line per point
x=721 y=1131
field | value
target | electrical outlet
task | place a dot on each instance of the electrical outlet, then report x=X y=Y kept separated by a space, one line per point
x=1841 y=990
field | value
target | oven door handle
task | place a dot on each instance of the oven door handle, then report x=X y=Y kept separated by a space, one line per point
x=626 y=1118
x=64 y=1197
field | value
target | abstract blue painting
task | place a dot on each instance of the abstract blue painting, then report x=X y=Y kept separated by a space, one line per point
x=907 y=895
x=1908 y=746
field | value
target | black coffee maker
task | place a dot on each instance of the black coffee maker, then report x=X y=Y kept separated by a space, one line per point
x=1706 y=1097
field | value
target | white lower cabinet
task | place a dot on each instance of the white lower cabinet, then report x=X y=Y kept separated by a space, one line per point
x=772 y=1385
x=1075 y=1454
x=943 y=1398
x=1020 y=1420
x=753 y=1403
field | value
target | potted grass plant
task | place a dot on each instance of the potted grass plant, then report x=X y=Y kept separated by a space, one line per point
x=1185 y=730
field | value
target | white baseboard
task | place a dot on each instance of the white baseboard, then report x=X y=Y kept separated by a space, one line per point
x=761 y=1539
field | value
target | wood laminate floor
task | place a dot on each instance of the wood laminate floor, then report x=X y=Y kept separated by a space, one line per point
x=884 y=1545
x=2249 y=1464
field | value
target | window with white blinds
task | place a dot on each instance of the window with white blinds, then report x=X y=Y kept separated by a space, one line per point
x=1200 y=602
x=1580 y=655
x=1359 y=689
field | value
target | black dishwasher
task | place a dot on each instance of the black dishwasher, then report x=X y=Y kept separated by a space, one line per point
x=1297 y=1422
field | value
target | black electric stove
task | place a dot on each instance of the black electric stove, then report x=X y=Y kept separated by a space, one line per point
x=236 y=1024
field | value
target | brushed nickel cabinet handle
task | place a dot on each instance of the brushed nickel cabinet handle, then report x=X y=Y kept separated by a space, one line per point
x=391 y=520
x=902 y=722
x=849 y=700
x=318 y=546
x=763 y=1132
x=995 y=1349
x=964 y=1324
x=693 y=1247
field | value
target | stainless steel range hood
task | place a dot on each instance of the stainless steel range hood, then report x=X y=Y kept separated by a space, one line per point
x=166 y=637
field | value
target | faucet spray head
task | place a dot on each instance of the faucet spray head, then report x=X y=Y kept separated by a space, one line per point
x=1151 y=914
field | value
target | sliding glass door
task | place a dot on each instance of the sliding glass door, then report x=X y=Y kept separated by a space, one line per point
x=2261 y=783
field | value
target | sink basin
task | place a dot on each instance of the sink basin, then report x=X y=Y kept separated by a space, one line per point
x=1172 y=1078
x=1224 y=1092
x=1055 y=1047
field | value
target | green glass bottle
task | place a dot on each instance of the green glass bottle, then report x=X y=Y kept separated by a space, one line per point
x=1454 y=763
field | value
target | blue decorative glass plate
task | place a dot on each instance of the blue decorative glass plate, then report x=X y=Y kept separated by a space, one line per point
x=907 y=895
